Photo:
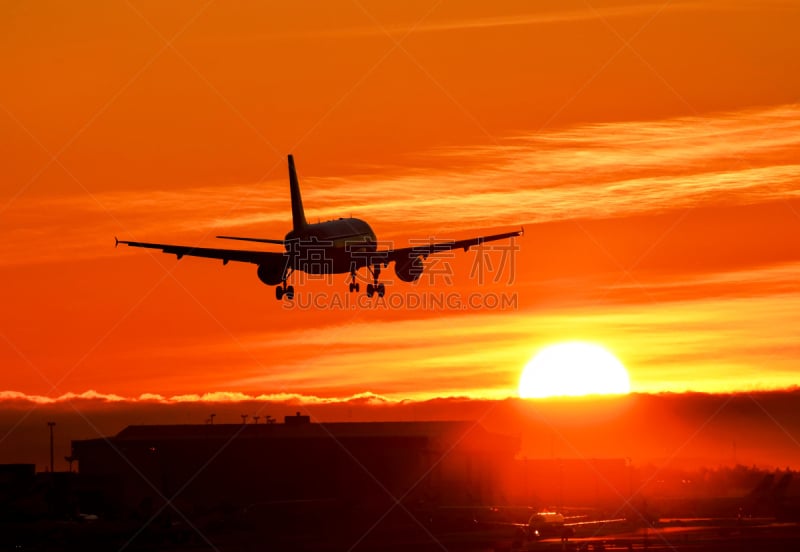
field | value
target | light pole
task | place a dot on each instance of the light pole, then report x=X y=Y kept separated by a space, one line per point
x=51 y=425
x=244 y=418
x=212 y=418
x=630 y=480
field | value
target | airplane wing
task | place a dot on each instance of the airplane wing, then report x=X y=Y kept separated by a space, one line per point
x=225 y=255
x=405 y=254
x=595 y=522
x=574 y=525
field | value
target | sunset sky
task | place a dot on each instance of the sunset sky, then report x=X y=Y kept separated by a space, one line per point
x=651 y=150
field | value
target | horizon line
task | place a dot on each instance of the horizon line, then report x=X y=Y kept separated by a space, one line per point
x=366 y=398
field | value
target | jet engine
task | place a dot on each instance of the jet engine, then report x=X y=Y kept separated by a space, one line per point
x=409 y=270
x=272 y=275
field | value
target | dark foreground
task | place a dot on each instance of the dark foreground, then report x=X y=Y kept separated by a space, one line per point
x=720 y=537
x=241 y=536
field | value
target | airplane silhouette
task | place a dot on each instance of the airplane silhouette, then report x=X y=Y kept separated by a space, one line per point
x=338 y=246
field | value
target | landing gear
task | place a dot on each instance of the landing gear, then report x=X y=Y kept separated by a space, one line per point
x=283 y=290
x=287 y=292
x=378 y=288
x=354 y=286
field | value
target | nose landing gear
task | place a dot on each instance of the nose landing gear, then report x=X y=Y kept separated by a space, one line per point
x=354 y=286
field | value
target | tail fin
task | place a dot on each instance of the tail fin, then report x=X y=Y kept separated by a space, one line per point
x=298 y=216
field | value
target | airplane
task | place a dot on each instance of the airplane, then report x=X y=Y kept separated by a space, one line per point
x=768 y=498
x=338 y=246
x=544 y=523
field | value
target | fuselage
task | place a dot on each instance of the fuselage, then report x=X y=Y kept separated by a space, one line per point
x=331 y=246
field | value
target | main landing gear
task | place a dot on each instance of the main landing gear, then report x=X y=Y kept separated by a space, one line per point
x=283 y=290
x=372 y=289
x=378 y=288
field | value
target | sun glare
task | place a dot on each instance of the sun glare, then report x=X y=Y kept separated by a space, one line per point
x=573 y=369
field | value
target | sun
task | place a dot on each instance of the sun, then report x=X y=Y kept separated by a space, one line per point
x=573 y=369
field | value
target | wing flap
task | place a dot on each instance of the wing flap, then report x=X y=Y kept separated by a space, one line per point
x=258 y=240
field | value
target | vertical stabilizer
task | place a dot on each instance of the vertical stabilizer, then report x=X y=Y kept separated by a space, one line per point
x=298 y=216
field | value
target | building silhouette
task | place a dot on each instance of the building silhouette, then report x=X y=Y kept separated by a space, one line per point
x=352 y=467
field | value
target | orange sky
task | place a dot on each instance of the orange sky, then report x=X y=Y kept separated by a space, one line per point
x=650 y=150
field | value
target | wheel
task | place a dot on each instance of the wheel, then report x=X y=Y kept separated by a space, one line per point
x=381 y=290
x=352 y=287
x=370 y=290
x=290 y=292
x=358 y=287
x=279 y=293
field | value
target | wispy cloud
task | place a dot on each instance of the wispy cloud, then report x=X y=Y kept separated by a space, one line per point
x=584 y=172
x=715 y=344
x=541 y=17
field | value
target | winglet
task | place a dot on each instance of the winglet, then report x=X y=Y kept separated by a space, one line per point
x=521 y=230
x=116 y=241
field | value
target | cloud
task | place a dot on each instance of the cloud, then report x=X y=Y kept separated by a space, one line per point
x=365 y=398
x=89 y=395
x=595 y=171
x=713 y=314
x=711 y=344
x=542 y=17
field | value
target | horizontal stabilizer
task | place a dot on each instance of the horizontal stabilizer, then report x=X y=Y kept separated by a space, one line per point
x=260 y=240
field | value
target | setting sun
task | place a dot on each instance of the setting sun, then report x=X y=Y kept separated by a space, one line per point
x=573 y=369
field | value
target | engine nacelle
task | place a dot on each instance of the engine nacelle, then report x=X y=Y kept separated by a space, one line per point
x=409 y=270
x=272 y=275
